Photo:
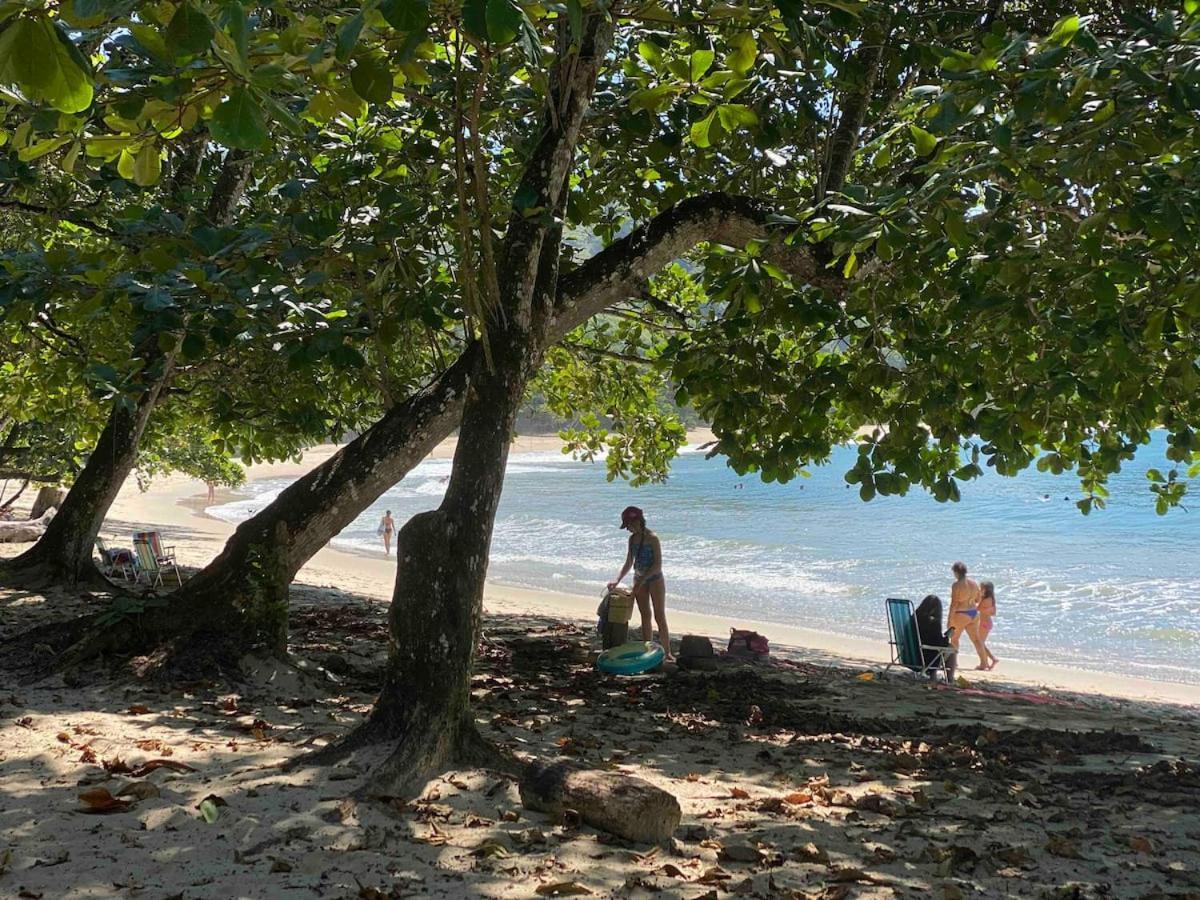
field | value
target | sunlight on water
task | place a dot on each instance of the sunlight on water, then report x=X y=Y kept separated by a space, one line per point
x=1117 y=590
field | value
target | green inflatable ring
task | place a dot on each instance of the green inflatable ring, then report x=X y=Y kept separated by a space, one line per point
x=632 y=658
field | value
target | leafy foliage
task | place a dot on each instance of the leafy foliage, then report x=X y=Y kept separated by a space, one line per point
x=991 y=220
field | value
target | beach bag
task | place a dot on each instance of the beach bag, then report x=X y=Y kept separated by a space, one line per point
x=747 y=644
x=696 y=652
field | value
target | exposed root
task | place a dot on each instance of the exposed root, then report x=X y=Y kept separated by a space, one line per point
x=418 y=755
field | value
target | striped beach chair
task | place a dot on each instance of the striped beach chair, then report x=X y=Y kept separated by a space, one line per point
x=906 y=646
x=153 y=559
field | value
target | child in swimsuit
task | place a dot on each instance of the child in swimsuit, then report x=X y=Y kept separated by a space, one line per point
x=987 y=611
x=649 y=587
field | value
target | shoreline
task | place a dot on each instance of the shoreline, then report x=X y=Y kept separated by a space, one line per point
x=177 y=506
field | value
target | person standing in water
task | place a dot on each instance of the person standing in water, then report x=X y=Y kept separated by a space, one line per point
x=387 y=527
x=987 y=612
x=645 y=557
x=964 y=611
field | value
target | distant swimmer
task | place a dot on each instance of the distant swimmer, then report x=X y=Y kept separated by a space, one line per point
x=387 y=527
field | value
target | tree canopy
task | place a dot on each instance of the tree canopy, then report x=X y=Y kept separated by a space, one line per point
x=970 y=224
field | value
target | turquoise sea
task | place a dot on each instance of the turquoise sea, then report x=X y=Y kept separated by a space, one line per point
x=1118 y=590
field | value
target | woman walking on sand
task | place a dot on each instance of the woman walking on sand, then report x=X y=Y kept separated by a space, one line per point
x=387 y=527
x=645 y=557
x=964 y=611
x=987 y=612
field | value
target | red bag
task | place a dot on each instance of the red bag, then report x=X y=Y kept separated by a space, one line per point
x=748 y=644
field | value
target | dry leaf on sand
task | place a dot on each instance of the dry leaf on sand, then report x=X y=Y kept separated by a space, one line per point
x=99 y=800
x=562 y=889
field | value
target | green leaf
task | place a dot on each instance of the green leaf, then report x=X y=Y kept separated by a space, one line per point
x=372 y=79
x=924 y=141
x=734 y=116
x=1105 y=112
x=745 y=52
x=475 y=17
x=701 y=61
x=41 y=61
x=189 y=32
x=575 y=17
x=651 y=54
x=233 y=20
x=656 y=99
x=701 y=132
x=83 y=13
x=147 y=166
x=1064 y=31
x=406 y=15
x=209 y=811
x=193 y=346
x=151 y=41
x=504 y=20
x=347 y=37
x=239 y=122
x=38 y=149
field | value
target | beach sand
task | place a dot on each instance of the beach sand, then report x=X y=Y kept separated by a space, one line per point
x=814 y=776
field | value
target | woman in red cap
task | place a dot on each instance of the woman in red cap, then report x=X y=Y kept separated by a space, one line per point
x=645 y=556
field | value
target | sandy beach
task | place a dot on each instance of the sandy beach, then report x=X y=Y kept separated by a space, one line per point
x=813 y=776
x=174 y=506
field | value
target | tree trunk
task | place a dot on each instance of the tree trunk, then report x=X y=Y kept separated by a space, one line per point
x=434 y=619
x=240 y=598
x=442 y=556
x=64 y=554
x=46 y=498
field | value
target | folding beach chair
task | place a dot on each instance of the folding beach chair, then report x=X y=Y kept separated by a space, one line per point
x=151 y=566
x=114 y=560
x=154 y=539
x=905 y=642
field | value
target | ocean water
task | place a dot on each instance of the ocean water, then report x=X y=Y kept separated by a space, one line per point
x=1118 y=590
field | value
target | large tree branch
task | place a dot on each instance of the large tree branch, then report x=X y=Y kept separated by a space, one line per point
x=853 y=103
x=543 y=182
x=230 y=187
x=63 y=214
x=621 y=269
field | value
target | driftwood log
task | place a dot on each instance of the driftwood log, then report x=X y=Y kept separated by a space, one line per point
x=620 y=804
x=25 y=532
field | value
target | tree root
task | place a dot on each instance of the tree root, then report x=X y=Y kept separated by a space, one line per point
x=419 y=754
x=40 y=575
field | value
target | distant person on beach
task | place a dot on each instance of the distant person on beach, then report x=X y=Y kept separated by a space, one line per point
x=387 y=527
x=964 y=611
x=645 y=557
x=987 y=612
x=212 y=490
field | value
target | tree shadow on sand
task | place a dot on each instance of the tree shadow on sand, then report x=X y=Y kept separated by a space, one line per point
x=794 y=779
